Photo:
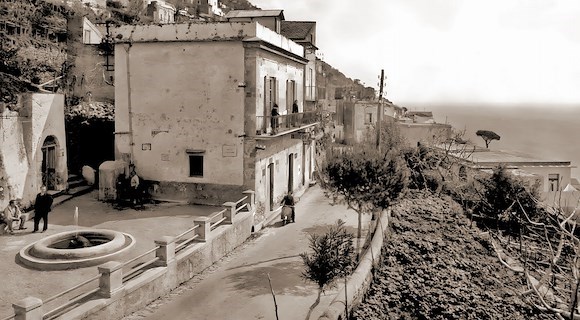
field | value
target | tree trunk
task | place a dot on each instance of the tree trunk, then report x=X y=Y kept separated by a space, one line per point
x=358 y=235
x=314 y=304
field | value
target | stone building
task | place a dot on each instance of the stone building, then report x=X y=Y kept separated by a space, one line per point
x=33 y=149
x=304 y=33
x=193 y=111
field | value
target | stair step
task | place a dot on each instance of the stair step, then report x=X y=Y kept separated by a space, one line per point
x=60 y=199
x=72 y=177
x=76 y=183
x=79 y=190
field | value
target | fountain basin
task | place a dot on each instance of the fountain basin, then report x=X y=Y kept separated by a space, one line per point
x=76 y=249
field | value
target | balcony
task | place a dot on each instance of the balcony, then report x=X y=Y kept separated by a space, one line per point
x=275 y=126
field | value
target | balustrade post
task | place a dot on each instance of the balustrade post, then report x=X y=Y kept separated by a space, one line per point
x=111 y=281
x=230 y=213
x=204 y=228
x=166 y=250
x=252 y=196
x=29 y=308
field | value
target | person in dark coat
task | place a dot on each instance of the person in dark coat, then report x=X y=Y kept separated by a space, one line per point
x=274 y=119
x=295 y=109
x=42 y=207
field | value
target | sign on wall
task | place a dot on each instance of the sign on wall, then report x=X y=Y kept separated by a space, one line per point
x=229 y=150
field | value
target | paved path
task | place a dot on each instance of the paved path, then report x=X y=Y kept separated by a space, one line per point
x=237 y=287
x=145 y=225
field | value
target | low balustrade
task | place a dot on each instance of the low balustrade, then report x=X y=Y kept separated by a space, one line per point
x=278 y=124
x=113 y=275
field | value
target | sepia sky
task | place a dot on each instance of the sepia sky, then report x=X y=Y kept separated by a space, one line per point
x=442 y=51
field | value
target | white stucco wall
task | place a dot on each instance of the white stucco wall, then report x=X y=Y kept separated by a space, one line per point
x=544 y=171
x=184 y=95
x=22 y=135
x=281 y=171
x=283 y=72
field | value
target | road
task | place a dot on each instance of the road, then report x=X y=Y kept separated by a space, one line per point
x=237 y=287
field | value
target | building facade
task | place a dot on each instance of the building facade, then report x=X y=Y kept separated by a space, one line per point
x=33 y=149
x=194 y=111
x=304 y=33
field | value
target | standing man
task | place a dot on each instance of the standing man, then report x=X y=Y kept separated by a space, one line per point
x=135 y=182
x=42 y=207
x=12 y=213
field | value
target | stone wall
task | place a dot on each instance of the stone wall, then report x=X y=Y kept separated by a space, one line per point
x=159 y=281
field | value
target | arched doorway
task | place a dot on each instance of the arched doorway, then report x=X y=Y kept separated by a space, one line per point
x=49 y=162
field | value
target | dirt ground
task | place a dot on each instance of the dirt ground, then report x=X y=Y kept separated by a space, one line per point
x=436 y=266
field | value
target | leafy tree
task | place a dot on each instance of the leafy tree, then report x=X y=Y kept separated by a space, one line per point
x=332 y=257
x=505 y=194
x=487 y=136
x=366 y=179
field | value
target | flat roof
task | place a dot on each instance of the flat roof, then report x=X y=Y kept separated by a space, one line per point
x=254 y=13
x=494 y=157
x=214 y=31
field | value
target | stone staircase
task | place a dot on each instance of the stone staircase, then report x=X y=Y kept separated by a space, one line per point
x=77 y=186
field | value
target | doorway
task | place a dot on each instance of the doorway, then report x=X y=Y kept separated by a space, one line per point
x=49 y=163
x=290 y=172
x=271 y=186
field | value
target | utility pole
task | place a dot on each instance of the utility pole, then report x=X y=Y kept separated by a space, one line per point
x=380 y=109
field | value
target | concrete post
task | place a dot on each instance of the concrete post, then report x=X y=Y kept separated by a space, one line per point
x=29 y=308
x=230 y=213
x=252 y=195
x=204 y=227
x=166 y=250
x=111 y=281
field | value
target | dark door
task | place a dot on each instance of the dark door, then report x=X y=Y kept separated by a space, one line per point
x=290 y=172
x=49 y=163
x=271 y=186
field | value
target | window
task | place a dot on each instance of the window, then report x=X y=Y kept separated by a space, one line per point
x=270 y=92
x=368 y=118
x=87 y=39
x=554 y=181
x=196 y=165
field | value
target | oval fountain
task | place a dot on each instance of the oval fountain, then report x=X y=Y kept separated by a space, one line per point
x=76 y=249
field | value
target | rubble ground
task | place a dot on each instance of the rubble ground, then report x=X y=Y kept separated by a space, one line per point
x=437 y=266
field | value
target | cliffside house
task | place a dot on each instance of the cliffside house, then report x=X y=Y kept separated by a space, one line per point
x=193 y=110
x=550 y=175
x=356 y=120
x=161 y=11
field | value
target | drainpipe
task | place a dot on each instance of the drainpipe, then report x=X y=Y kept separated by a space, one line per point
x=129 y=109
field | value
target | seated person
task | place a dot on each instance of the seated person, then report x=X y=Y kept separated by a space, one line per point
x=12 y=213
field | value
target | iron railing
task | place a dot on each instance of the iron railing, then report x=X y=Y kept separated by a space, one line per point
x=278 y=124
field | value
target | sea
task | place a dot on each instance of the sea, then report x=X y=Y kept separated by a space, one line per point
x=547 y=132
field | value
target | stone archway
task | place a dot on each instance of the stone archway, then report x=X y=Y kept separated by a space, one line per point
x=50 y=162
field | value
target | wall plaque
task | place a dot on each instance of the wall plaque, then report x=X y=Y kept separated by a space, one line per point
x=229 y=150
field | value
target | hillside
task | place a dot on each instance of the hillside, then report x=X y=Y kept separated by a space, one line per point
x=435 y=266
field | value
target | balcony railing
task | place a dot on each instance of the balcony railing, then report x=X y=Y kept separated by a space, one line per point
x=273 y=125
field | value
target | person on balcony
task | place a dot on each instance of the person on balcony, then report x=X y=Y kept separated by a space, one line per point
x=295 y=116
x=274 y=119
